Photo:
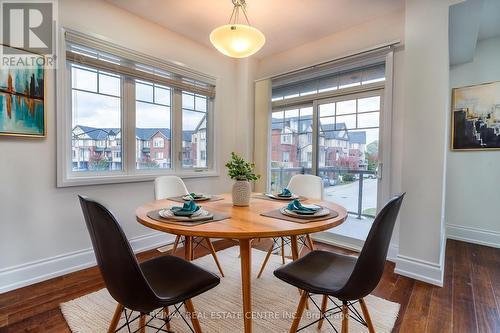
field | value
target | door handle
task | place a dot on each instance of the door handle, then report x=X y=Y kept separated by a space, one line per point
x=379 y=171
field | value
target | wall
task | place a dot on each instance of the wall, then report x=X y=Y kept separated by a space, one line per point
x=473 y=177
x=426 y=96
x=42 y=232
x=385 y=29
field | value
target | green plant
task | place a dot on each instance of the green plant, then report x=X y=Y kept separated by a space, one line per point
x=240 y=169
x=348 y=177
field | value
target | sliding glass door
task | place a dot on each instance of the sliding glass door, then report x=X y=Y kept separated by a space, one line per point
x=347 y=151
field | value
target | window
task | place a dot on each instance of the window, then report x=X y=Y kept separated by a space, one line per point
x=132 y=117
x=286 y=156
x=286 y=139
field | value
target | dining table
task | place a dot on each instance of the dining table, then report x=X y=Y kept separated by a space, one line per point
x=242 y=224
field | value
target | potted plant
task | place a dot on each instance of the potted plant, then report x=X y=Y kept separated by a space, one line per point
x=243 y=172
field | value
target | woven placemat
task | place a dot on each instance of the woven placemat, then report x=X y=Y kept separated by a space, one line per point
x=265 y=197
x=155 y=215
x=276 y=213
x=213 y=198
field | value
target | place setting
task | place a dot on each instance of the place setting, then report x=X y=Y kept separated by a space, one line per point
x=189 y=214
x=295 y=211
x=285 y=195
x=197 y=197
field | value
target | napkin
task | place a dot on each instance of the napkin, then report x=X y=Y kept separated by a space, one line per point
x=285 y=193
x=295 y=205
x=188 y=209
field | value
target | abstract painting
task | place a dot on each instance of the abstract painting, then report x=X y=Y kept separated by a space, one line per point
x=22 y=97
x=476 y=117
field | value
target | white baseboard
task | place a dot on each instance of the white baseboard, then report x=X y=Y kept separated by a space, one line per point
x=351 y=243
x=40 y=270
x=473 y=235
x=420 y=270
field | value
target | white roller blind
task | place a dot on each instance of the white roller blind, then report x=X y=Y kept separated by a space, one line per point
x=87 y=50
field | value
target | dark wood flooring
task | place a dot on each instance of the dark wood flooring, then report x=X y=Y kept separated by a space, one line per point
x=469 y=301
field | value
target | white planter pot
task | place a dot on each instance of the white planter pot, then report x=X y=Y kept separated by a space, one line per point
x=241 y=193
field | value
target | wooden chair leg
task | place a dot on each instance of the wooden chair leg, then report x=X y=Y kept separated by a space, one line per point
x=310 y=242
x=366 y=314
x=283 y=250
x=166 y=313
x=324 y=304
x=142 y=324
x=265 y=260
x=194 y=317
x=345 y=317
x=299 y=312
x=212 y=250
x=116 y=318
x=176 y=243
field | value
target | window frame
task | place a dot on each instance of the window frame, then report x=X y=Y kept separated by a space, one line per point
x=129 y=173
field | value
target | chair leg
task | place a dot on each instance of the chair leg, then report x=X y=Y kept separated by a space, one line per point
x=366 y=314
x=142 y=323
x=212 y=250
x=345 y=317
x=310 y=242
x=299 y=312
x=166 y=314
x=265 y=260
x=116 y=318
x=283 y=250
x=176 y=243
x=194 y=317
x=324 y=303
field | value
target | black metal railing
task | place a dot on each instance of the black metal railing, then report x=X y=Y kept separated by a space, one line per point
x=331 y=175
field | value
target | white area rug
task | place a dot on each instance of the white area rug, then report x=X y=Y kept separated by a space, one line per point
x=274 y=303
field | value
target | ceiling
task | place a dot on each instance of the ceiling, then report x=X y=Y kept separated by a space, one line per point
x=285 y=23
x=472 y=21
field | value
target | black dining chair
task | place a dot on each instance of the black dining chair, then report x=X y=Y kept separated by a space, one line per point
x=343 y=278
x=146 y=288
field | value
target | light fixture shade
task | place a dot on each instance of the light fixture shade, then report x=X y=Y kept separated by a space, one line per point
x=237 y=40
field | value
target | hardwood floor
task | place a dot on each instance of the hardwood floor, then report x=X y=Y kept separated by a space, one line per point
x=468 y=302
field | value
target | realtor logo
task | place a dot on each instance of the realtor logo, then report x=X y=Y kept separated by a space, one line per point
x=27 y=26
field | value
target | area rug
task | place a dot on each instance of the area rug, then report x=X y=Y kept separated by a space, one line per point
x=274 y=303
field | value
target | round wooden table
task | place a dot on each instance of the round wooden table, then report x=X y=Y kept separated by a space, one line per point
x=245 y=224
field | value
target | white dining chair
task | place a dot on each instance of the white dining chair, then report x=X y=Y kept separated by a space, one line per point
x=307 y=186
x=173 y=186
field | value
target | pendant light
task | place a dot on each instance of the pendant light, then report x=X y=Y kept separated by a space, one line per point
x=237 y=40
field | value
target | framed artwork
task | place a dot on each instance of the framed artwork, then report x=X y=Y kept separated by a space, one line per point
x=475 y=119
x=22 y=100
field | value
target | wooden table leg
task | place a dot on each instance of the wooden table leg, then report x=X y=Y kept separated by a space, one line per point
x=246 y=260
x=295 y=255
x=188 y=248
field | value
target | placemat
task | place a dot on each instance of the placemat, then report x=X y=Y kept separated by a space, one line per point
x=265 y=197
x=277 y=215
x=213 y=198
x=154 y=214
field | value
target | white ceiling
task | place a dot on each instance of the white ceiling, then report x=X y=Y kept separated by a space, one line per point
x=285 y=23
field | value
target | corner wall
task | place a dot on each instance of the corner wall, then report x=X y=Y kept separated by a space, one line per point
x=473 y=178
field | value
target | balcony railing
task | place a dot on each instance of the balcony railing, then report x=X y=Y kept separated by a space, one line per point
x=330 y=175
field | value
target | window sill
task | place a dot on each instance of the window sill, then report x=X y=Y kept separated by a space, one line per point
x=122 y=178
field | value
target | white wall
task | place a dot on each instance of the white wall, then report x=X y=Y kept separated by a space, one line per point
x=426 y=93
x=374 y=33
x=41 y=227
x=472 y=212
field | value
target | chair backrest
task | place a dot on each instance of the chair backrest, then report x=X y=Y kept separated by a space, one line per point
x=308 y=186
x=371 y=261
x=169 y=186
x=115 y=258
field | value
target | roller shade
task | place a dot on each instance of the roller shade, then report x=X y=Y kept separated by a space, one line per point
x=90 y=51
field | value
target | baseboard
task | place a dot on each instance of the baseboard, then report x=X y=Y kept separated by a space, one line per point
x=473 y=235
x=420 y=270
x=351 y=243
x=36 y=271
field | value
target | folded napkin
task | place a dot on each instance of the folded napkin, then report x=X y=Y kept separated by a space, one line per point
x=296 y=206
x=195 y=195
x=188 y=209
x=285 y=193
